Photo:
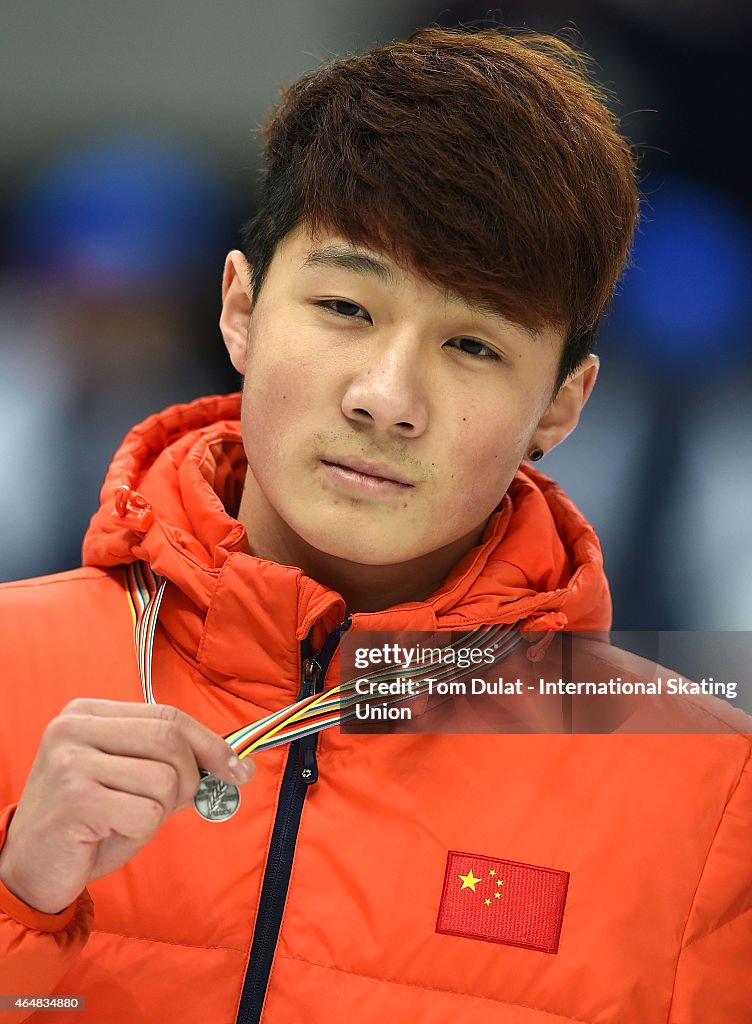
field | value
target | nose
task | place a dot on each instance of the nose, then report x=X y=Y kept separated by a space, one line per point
x=388 y=391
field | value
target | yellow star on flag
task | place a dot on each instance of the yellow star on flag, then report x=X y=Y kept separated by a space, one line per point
x=497 y=895
x=499 y=881
x=492 y=872
x=488 y=903
x=469 y=881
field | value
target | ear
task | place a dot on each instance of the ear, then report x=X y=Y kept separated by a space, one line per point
x=236 y=308
x=563 y=414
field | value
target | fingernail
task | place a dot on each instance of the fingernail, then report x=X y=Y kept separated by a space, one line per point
x=239 y=770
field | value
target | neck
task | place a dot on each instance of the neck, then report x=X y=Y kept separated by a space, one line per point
x=364 y=588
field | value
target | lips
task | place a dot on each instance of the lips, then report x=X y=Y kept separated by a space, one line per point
x=375 y=469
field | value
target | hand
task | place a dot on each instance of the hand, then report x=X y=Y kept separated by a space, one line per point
x=106 y=777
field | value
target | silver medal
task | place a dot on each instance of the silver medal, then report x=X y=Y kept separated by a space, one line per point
x=216 y=800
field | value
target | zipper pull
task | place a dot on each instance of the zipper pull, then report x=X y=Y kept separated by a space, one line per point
x=309 y=773
x=311 y=676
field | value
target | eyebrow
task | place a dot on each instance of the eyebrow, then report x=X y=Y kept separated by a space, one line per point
x=342 y=257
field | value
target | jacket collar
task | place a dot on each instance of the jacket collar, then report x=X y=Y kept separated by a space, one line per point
x=170 y=497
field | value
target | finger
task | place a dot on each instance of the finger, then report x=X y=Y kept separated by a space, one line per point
x=212 y=752
x=161 y=733
x=113 y=813
x=70 y=741
x=158 y=780
x=112 y=708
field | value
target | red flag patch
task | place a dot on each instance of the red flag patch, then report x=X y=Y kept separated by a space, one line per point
x=502 y=901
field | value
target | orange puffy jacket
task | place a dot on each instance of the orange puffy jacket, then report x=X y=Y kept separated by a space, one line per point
x=627 y=858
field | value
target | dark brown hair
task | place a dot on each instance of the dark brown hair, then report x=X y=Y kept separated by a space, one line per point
x=486 y=162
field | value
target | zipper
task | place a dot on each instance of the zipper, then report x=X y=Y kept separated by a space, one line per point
x=307 y=765
x=301 y=772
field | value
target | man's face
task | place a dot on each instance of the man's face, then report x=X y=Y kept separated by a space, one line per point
x=382 y=419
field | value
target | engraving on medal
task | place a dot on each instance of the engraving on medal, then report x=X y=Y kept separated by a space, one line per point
x=216 y=800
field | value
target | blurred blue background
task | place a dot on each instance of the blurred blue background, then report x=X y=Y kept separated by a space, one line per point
x=129 y=162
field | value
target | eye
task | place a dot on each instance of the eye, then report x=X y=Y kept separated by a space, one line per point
x=341 y=307
x=473 y=347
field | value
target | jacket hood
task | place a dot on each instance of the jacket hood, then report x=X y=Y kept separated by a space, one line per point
x=170 y=496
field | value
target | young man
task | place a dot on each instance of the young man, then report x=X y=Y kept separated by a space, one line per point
x=442 y=224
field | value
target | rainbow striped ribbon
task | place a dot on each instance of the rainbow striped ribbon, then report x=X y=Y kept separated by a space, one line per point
x=321 y=710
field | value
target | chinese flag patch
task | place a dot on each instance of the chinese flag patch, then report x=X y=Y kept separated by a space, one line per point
x=502 y=901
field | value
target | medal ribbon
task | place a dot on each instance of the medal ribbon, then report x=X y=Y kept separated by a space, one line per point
x=320 y=710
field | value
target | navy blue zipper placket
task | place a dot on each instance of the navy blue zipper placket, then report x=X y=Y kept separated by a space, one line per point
x=301 y=771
